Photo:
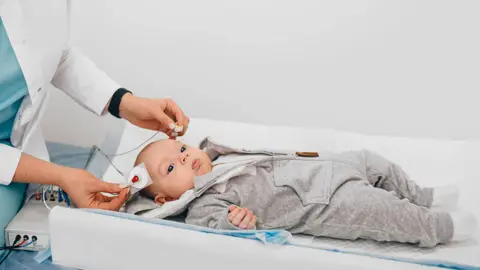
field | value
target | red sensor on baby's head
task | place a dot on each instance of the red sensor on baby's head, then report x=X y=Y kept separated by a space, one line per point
x=138 y=178
x=135 y=179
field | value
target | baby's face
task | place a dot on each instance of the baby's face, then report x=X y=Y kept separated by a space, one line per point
x=173 y=166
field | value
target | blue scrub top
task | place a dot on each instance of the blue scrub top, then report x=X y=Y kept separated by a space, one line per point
x=13 y=86
x=13 y=89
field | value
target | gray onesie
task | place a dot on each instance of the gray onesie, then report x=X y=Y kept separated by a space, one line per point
x=350 y=195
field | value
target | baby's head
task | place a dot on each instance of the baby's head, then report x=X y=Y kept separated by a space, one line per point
x=172 y=166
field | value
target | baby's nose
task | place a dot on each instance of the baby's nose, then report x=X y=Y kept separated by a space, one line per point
x=183 y=158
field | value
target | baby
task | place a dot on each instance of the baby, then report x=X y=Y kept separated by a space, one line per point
x=348 y=195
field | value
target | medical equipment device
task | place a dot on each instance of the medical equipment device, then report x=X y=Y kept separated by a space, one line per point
x=30 y=223
x=16 y=245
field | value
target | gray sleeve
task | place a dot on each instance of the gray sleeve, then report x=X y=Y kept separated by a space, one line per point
x=210 y=211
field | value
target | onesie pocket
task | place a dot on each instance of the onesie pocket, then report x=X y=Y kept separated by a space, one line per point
x=310 y=178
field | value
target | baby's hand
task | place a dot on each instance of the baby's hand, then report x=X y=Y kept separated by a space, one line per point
x=241 y=217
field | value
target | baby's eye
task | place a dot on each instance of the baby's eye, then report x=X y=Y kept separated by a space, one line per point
x=183 y=149
x=170 y=168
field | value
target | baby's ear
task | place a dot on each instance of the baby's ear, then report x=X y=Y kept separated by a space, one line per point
x=162 y=199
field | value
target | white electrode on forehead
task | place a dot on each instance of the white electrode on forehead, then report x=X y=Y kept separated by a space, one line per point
x=138 y=179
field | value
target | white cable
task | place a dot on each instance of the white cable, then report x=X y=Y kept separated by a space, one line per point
x=43 y=198
x=129 y=151
x=124 y=153
x=109 y=160
x=175 y=128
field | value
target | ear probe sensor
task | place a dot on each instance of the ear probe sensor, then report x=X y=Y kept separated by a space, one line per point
x=176 y=129
x=138 y=179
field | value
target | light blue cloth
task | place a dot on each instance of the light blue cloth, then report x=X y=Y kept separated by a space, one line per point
x=12 y=90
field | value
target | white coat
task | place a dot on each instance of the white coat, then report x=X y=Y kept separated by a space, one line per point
x=38 y=32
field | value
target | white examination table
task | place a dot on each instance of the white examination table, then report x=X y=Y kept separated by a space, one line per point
x=130 y=244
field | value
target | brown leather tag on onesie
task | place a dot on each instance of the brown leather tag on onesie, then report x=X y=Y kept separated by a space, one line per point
x=307 y=154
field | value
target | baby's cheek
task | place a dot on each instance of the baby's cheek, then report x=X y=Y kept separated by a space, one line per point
x=188 y=181
x=184 y=180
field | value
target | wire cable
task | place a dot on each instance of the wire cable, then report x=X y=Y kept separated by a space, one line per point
x=28 y=244
x=129 y=151
x=107 y=156
x=17 y=238
x=65 y=196
x=10 y=248
x=60 y=197
x=6 y=256
x=44 y=198
x=109 y=160
x=21 y=243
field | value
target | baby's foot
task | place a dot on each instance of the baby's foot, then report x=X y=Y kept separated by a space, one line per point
x=445 y=198
x=464 y=226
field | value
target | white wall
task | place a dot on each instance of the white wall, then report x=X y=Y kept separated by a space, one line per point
x=408 y=68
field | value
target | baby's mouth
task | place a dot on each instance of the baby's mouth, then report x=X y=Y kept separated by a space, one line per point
x=196 y=164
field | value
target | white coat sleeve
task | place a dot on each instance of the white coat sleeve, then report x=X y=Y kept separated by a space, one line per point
x=10 y=157
x=83 y=81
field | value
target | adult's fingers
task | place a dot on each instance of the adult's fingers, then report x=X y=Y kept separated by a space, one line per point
x=102 y=198
x=179 y=116
x=173 y=109
x=107 y=187
x=172 y=134
x=165 y=122
x=185 y=126
x=115 y=203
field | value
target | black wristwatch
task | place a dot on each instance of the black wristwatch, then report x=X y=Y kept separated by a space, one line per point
x=114 y=106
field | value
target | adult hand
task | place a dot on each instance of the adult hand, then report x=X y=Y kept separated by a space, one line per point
x=85 y=191
x=154 y=114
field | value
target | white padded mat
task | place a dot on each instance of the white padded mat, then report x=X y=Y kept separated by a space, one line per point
x=458 y=256
x=428 y=162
